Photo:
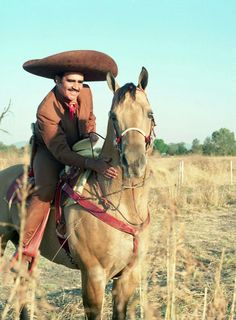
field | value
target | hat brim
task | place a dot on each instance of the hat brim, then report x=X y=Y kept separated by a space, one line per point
x=94 y=65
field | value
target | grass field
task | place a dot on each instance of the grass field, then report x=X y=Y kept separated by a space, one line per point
x=190 y=269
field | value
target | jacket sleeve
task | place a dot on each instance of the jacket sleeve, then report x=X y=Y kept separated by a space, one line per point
x=48 y=126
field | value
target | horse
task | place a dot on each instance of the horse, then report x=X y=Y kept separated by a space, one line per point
x=110 y=245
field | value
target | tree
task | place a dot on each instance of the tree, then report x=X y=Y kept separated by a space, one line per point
x=224 y=142
x=172 y=149
x=181 y=148
x=196 y=147
x=177 y=148
x=4 y=147
x=208 y=147
x=160 y=145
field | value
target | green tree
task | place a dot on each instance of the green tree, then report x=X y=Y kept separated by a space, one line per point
x=160 y=145
x=3 y=147
x=196 y=147
x=182 y=148
x=172 y=149
x=177 y=148
x=224 y=142
x=208 y=147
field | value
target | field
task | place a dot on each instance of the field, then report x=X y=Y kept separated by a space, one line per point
x=190 y=269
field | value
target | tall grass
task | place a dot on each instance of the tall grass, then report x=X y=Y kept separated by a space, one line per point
x=189 y=272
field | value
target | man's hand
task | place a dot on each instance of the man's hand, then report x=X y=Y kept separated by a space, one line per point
x=93 y=137
x=102 y=167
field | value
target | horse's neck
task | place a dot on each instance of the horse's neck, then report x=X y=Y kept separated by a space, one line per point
x=130 y=196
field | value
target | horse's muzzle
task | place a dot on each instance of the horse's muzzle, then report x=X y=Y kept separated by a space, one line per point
x=134 y=164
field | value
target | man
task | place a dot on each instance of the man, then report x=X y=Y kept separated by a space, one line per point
x=64 y=117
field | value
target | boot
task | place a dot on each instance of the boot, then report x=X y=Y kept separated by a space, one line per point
x=36 y=220
x=35 y=215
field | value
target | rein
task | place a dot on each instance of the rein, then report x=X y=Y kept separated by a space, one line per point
x=104 y=216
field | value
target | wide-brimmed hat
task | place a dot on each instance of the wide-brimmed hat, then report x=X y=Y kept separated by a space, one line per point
x=94 y=65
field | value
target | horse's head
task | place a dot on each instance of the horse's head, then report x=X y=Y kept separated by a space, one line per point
x=132 y=119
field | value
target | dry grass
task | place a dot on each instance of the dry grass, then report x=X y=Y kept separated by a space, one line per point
x=9 y=158
x=205 y=181
x=190 y=268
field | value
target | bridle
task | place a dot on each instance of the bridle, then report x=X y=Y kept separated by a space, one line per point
x=119 y=135
x=147 y=139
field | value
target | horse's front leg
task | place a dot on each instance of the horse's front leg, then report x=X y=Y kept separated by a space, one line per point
x=93 y=288
x=123 y=289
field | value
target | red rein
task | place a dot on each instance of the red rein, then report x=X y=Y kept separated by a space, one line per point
x=102 y=215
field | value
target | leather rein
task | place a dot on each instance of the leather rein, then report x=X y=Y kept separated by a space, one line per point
x=107 y=218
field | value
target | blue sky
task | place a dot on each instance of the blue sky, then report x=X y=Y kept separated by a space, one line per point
x=187 y=46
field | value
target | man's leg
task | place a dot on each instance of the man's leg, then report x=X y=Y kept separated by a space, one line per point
x=46 y=172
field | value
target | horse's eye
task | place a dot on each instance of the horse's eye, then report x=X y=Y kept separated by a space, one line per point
x=150 y=115
x=113 y=116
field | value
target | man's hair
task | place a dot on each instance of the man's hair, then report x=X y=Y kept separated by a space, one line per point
x=60 y=75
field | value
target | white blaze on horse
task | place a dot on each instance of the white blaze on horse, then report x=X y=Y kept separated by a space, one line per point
x=108 y=233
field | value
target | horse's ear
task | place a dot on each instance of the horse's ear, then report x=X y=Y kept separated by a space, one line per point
x=112 y=84
x=143 y=79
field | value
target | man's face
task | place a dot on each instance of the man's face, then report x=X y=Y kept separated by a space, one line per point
x=69 y=85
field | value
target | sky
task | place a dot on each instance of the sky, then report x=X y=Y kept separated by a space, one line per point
x=187 y=46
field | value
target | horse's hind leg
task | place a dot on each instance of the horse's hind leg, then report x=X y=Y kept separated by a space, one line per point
x=123 y=289
x=93 y=288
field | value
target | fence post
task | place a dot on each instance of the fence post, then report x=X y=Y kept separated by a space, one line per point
x=181 y=173
x=231 y=172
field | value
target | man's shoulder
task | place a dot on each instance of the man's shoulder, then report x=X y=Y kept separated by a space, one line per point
x=50 y=106
x=85 y=93
x=48 y=98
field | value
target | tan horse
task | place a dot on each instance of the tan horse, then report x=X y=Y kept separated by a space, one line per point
x=99 y=250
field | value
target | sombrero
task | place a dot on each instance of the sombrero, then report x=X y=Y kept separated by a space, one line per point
x=94 y=65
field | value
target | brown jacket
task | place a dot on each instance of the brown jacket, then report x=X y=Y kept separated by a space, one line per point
x=58 y=131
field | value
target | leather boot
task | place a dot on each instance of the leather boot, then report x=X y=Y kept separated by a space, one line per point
x=36 y=220
x=35 y=215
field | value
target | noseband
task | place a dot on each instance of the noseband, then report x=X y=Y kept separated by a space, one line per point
x=147 y=139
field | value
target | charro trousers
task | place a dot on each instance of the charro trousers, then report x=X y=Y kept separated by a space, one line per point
x=46 y=172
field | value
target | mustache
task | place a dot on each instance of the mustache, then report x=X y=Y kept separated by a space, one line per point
x=74 y=90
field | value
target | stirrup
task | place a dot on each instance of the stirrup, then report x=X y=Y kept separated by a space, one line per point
x=26 y=259
x=61 y=235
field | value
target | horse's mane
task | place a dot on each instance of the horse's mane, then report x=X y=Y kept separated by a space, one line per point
x=128 y=87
